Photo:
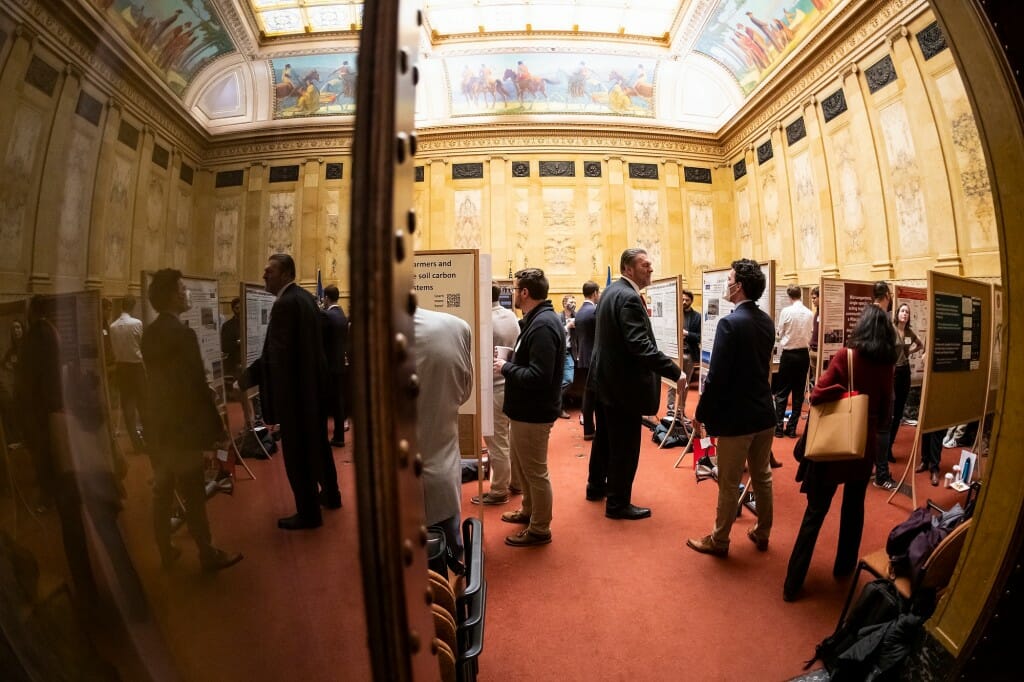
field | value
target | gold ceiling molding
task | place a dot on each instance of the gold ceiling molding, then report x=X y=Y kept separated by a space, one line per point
x=236 y=26
x=437 y=39
x=431 y=144
x=771 y=103
x=257 y=149
x=56 y=32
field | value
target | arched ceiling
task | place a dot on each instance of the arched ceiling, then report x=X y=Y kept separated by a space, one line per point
x=239 y=65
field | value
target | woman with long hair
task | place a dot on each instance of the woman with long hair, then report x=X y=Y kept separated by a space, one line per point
x=907 y=343
x=872 y=353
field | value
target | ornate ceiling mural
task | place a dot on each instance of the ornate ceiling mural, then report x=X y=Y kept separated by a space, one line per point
x=545 y=83
x=314 y=85
x=752 y=37
x=175 y=38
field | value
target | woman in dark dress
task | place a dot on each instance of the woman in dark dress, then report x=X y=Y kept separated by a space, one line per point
x=907 y=343
x=872 y=346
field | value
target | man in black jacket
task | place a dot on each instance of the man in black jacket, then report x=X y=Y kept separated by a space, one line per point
x=625 y=372
x=533 y=387
x=182 y=421
x=738 y=407
x=585 y=324
x=336 y=348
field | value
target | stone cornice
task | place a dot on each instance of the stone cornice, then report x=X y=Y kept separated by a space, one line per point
x=259 y=148
x=97 y=67
x=867 y=25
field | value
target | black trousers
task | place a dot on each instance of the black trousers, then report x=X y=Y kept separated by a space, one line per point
x=309 y=464
x=131 y=383
x=589 y=399
x=851 y=527
x=181 y=471
x=339 y=408
x=931 y=450
x=791 y=379
x=614 y=453
x=901 y=389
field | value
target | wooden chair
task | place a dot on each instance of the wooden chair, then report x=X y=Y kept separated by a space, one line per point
x=934 y=575
x=445 y=660
x=441 y=592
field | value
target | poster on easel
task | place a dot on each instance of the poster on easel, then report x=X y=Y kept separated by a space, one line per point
x=781 y=301
x=664 y=298
x=916 y=300
x=202 y=317
x=714 y=288
x=840 y=303
x=257 y=303
x=996 y=361
x=449 y=282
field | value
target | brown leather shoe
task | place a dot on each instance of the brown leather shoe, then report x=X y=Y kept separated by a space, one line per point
x=935 y=478
x=527 y=538
x=517 y=516
x=706 y=545
x=762 y=543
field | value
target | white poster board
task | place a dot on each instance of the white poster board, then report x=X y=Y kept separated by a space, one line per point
x=202 y=317
x=714 y=287
x=486 y=346
x=663 y=300
x=256 y=305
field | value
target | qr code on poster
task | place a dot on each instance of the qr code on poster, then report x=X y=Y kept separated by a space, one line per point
x=454 y=300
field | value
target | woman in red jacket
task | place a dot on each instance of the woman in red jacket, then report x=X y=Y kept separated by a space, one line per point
x=872 y=348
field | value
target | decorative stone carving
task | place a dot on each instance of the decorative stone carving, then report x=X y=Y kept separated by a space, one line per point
x=559 y=230
x=770 y=211
x=700 y=175
x=595 y=211
x=880 y=74
x=225 y=238
x=806 y=217
x=932 y=40
x=16 y=186
x=521 y=169
x=643 y=171
x=558 y=169
x=743 y=228
x=76 y=204
x=182 y=231
x=646 y=224
x=739 y=169
x=467 y=171
x=118 y=219
x=333 y=246
x=764 y=152
x=281 y=222
x=521 y=203
x=468 y=219
x=153 y=235
x=702 y=231
x=833 y=105
x=592 y=169
x=905 y=181
x=850 y=213
x=795 y=131
x=421 y=211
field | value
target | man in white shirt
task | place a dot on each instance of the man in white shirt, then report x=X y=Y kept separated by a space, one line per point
x=505 y=331
x=125 y=341
x=794 y=332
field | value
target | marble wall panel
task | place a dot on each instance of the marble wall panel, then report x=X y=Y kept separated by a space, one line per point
x=334 y=244
x=76 y=204
x=119 y=218
x=281 y=223
x=647 y=224
x=521 y=205
x=743 y=231
x=559 y=230
x=848 y=202
x=702 y=231
x=16 y=186
x=225 y=238
x=468 y=218
x=595 y=227
x=973 y=174
x=905 y=181
x=807 y=228
x=770 y=210
x=152 y=236
x=182 y=231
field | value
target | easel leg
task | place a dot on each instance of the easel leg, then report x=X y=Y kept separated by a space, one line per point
x=915 y=450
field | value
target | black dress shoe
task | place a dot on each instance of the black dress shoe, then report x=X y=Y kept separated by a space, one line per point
x=296 y=522
x=774 y=463
x=779 y=433
x=629 y=512
x=215 y=560
x=595 y=494
x=330 y=500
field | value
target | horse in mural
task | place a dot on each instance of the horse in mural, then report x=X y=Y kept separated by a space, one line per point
x=288 y=88
x=640 y=87
x=535 y=86
x=341 y=81
x=476 y=88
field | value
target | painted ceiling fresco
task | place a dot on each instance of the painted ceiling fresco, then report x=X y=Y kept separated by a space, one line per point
x=543 y=83
x=751 y=37
x=175 y=38
x=314 y=85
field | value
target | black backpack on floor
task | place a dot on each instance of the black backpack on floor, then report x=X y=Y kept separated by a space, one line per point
x=878 y=603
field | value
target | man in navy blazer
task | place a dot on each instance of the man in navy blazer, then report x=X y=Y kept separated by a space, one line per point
x=585 y=324
x=625 y=371
x=737 y=407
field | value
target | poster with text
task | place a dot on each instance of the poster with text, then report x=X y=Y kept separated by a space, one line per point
x=446 y=282
x=957 y=334
x=663 y=298
x=257 y=303
x=916 y=299
x=840 y=303
x=995 y=364
x=715 y=290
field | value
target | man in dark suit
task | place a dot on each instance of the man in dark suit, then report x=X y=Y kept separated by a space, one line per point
x=624 y=371
x=336 y=347
x=737 y=406
x=231 y=340
x=182 y=421
x=585 y=325
x=294 y=393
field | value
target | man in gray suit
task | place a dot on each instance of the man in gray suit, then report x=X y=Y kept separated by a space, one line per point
x=625 y=372
x=444 y=364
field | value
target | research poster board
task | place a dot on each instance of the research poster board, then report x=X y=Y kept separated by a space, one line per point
x=956 y=381
x=714 y=285
x=449 y=282
x=203 y=317
x=664 y=299
x=504 y=293
x=781 y=301
x=916 y=298
x=256 y=305
x=840 y=303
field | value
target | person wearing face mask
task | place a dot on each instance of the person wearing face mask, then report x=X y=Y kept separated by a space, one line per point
x=625 y=371
x=737 y=406
x=185 y=423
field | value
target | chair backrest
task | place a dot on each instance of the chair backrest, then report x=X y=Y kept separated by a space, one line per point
x=938 y=568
